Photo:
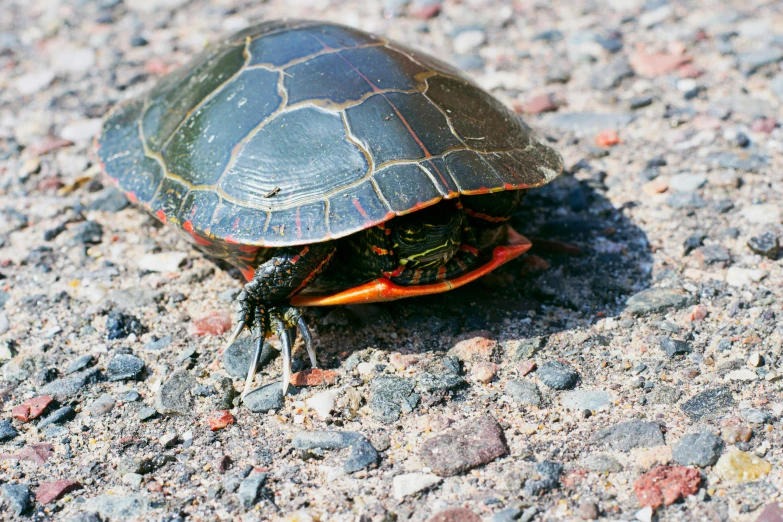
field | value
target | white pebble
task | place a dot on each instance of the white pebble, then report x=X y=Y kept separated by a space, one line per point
x=163 y=262
x=410 y=483
x=323 y=403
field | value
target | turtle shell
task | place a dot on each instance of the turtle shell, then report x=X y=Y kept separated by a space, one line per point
x=298 y=132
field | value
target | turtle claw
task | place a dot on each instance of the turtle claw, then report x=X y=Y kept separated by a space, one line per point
x=308 y=340
x=251 y=372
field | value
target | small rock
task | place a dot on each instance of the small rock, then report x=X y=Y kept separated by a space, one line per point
x=169 y=440
x=738 y=466
x=34 y=82
x=557 y=375
x=586 y=400
x=411 y=483
x=526 y=367
x=133 y=480
x=159 y=344
x=475 y=347
x=51 y=491
x=685 y=200
x=687 y=182
x=86 y=233
x=314 y=377
x=708 y=404
x=390 y=397
x=31 y=408
x=756 y=416
x=525 y=349
x=324 y=403
x=362 y=456
x=79 y=364
x=214 y=323
x=767 y=245
x=118 y=507
x=468 y=41
x=588 y=122
x=539 y=104
x=18 y=498
x=176 y=394
x=484 y=372
x=523 y=392
x=698 y=449
x=771 y=513
x=109 y=200
x=602 y=463
x=712 y=254
x=102 y=405
x=752 y=61
x=249 y=488
x=546 y=477
x=674 y=347
x=147 y=413
x=123 y=367
x=631 y=434
x=58 y=416
x=464 y=448
x=237 y=357
x=265 y=398
x=652 y=65
x=455 y=515
x=218 y=420
x=7 y=431
x=120 y=325
x=610 y=76
x=743 y=374
x=162 y=262
x=588 y=510
x=739 y=277
x=656 y=300
x=665 y=485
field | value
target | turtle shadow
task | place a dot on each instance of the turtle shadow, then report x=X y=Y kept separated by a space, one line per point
x=588 y=258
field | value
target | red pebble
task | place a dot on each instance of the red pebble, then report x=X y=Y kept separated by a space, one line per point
x=539 y=104
x=526 y=367
x=219 y=419
x=216 y=323
x=31 y=409
x=458 y=514
x=51 y=491
x=698 y=313
x=156 y=66
x=313 y=377
x=49 y=145
x=656 y=64
x=765 y=125
x=665 y=485
x=425 y=12
x=607 y=138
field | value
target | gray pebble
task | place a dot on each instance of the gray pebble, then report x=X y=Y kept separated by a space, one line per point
x=656 y=300
x=237 y=357
x=631 y=434
x=249 y=488
x=586 y=400
x=766 y=244
x=7 y=431
x=698 y=449
x=118 y=507
x=685 y=200
x=546 y=478
x=147 y=413
x=390 y=397
x=79 y=364
x=757 y=416
x=557 y=375
x=59 y=416
x=130 y=396
x=18 y=498
x=601 y=463
x=67 y=387
x=674 y=347
x=709 y=404
x=265 y=398
x=85 y=233
x=523 y=392
x=158 y=344
x=123 y=367
x=176 y=394
x=363 y=455
x=109 y=200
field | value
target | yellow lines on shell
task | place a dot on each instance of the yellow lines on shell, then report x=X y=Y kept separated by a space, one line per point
x=328 y=105
x=297 y=61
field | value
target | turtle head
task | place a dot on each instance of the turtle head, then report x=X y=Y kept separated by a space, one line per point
x=427 y=238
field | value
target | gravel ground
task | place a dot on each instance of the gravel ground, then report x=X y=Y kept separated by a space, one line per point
x=629 y=367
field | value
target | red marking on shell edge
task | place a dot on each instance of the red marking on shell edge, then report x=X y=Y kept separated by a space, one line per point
x=229 y=239
x=188 y=226
x=132 y=196
x=247 y=272
x=161 y=215
x=359 y=208
x=249 y=249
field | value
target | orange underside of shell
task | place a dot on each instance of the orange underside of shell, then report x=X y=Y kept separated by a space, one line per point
x=382 y=289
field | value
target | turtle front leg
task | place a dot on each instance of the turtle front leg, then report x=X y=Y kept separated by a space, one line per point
x=262 y=307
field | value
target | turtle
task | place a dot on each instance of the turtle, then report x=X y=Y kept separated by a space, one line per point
x=330 y=166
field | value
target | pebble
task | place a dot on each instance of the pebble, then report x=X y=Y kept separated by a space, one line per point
x=214 y=323
x=123 y=367
x=176 y=394
x=118 y=507
x=18 y=498
x=652 y=65
x=539 y=104
x=743 y=374
x=411 y=483
x=752 y=61
x=7 y=431
x=133 y=480
x=460 y=449
x=109 y=200
x=314 y=377
x=756 y=416
x=587 y=510
x=34 y=82
x=674 y=347
x=602 y=463
x=631 y=434
x=250 y=488
x=475 y=347
x=64 y=388
x=740 y=277
x=390 y=397
x=102 y=405
x=687 y=182
x=162 y=262
x=709 y=404
x=82 y=131
x=159 y=344
x=79 y=364
x=147 y=413
x=219 y=419
x=685 y=200
x=767 y=245
x=665 y=485
x=31 y=408
x=265 y=398
x=120 y=325
x=51 y=491
x=85 y=233
x=656 y=300
x=526 y=348
x=362 y=456
x=237 y=357
x=557 y=375
x=130 y=396
x=525 y=393
x=610 y=76
x=588 y=122
x=698 y=449
x=738 y=466
x=484 y=372
x=545 y=477
x=586 y=400
x=458 y=514
x=324 y=403
x=468 y=41
x=440 y=376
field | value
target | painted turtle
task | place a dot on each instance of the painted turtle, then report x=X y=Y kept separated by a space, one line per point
x=293 y=145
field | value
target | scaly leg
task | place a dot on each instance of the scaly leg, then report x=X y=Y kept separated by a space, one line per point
x=261 y=305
